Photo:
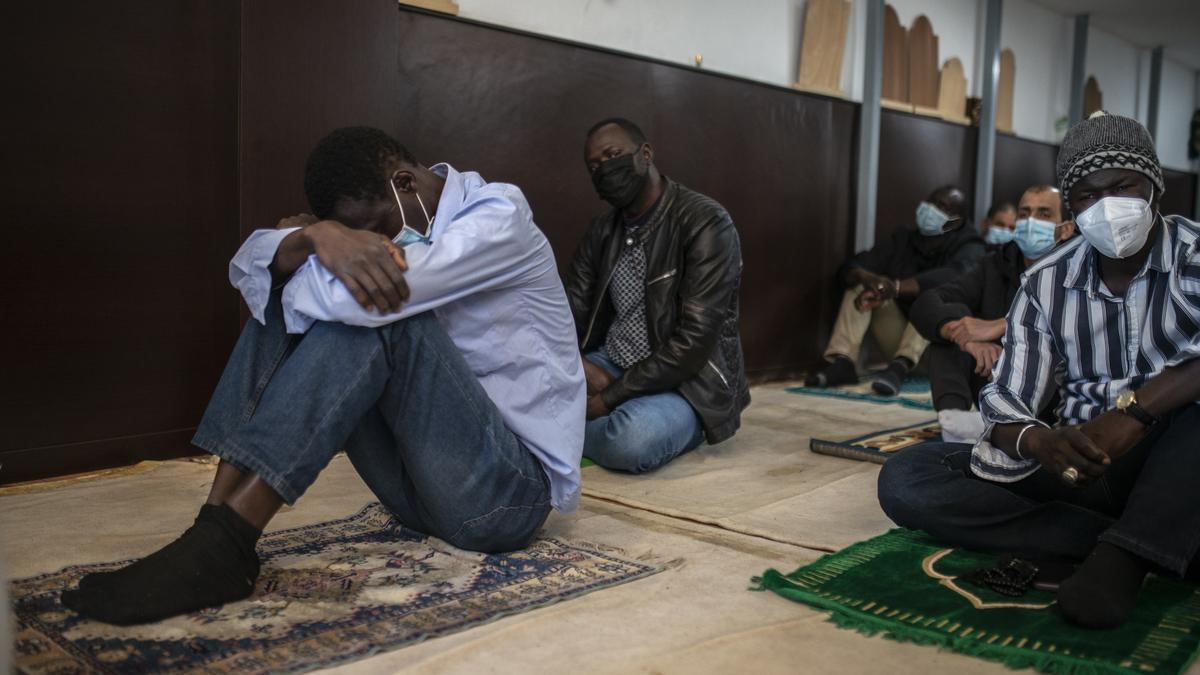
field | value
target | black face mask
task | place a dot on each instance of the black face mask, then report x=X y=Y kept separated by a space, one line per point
x=618 y=182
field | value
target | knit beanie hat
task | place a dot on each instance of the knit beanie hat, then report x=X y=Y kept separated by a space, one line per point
x=1105 y=141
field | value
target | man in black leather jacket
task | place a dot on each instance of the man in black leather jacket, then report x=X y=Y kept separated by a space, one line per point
x=654 y=291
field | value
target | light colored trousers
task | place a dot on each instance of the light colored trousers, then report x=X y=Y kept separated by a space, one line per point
x=896 y=336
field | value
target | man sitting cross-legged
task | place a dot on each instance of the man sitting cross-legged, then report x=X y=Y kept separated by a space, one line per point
x=964 y=319
x=654 y=290
x=449 y=373
x=1112 y=321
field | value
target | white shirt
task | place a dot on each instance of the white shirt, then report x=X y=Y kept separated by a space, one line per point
x=488 y=274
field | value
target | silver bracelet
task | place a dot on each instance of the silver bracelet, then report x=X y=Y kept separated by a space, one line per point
x=1027 y=427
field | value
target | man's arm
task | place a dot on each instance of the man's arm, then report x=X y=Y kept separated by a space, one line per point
x=712 y=265
x=947 y=303
x=867 y=267
x=497 y=244
x=1024 y=378
x=965 y=255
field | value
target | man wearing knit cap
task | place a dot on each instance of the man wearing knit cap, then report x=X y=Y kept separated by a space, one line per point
x=1111 y=321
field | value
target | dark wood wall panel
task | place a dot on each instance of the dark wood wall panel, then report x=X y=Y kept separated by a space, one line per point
x=916 y=156
x=120 y=177
x=779 y=162
x=1020 y=164
x=1180 y=196
x=515 y=108
x=306 y=69
x=152 y=137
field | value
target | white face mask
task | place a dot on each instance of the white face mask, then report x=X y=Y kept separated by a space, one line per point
x=407 y=234
x=1117 y=227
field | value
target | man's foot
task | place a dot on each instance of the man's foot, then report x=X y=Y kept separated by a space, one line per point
x=1103 y=593
x=213 y=563
x=960 y=426
x=889 y=380
x=840 y=371
x=160 y=557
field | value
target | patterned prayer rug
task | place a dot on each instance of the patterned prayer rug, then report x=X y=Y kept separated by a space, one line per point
x=914 y=393
x=329 y=593
x=904 y=585
x=878 y=446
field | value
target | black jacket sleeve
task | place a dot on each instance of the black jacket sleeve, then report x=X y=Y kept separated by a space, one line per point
x=948 y=302
x=875 y=259
x=966 y=253
x=712 y=265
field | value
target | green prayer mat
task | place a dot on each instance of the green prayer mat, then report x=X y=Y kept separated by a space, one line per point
x=902 y=584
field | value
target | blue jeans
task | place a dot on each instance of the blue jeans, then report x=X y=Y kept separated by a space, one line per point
x=402 y=401
x=643 y=433
x=1144 y=503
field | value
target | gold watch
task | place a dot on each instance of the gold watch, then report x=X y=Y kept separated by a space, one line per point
x=1127 y=403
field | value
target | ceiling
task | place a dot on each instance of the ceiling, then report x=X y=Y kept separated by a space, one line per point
x=1174 y=24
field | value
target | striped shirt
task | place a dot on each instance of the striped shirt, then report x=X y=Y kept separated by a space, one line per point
x=1066 y=331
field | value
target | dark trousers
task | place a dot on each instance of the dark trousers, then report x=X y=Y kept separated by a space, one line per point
x=952 y=378
x=1145 y=503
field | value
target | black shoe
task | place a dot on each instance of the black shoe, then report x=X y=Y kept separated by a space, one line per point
x=889 y=380
x=839 y=371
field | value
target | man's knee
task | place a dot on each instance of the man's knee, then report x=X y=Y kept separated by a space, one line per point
x=909 y=490
x=637 y=443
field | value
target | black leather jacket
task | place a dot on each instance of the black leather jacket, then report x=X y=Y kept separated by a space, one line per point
x=693 y=271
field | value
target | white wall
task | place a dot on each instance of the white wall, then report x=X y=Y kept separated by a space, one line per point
x=756 y=39
x=1176 y=103
x=1115 y=64
x=1041 y=42
x=760 y=40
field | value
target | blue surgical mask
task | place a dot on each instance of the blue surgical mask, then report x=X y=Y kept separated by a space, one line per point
x=1035 y=237
x=931 y=221
x=407 y=234
x=998 y=236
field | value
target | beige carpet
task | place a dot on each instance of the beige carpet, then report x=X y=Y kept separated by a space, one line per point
x=743 y=507
x=765 y=481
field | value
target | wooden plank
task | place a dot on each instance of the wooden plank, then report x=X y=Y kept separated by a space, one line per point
x=922 y=64
x=894 y=86
x=952 y=92
x=1093 y=98
x=443 y=6
x=825 y=25
x=1004 y=91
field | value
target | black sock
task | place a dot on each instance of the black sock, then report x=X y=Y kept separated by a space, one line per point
x=213 y=563
x=888 y=381
x=840 y=370
x=158 y=557
x=1103 y=593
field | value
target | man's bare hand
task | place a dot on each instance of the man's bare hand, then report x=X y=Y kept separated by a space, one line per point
x=598 y=379
x=596 y=408
x=1114 y=432
x=986 y=355
x=302 y=220
x=368 y=263
x=1058 y=449
x=969 y=329
x=867 y=301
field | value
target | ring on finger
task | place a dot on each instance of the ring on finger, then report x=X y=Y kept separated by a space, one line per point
x=1070 y=475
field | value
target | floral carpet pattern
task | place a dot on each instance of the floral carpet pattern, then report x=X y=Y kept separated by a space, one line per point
x=329 y=593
